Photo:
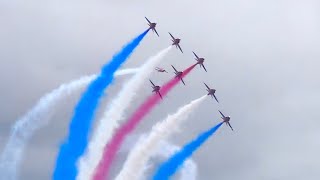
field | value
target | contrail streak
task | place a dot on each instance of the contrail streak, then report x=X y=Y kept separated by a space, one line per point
x=75 y=143
x=170 y=167
x=114 y=114
x=110 y=150
x=137 y=160
x=36 y=118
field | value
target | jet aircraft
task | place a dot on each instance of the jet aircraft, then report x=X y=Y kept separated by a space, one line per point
x=200 y=61
x=226 y=120
x=178 y=74
x=160 y=69
x=211 y=92
x=175 y=42
x=156 y=89
x=152 y=26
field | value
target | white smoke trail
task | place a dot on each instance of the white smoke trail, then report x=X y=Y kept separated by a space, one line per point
x=113 y=115
x=136 y=162
x=36 y=118
x=188 y=171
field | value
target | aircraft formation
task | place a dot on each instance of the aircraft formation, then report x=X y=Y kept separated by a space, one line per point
x=76 y=144
x=178 y=74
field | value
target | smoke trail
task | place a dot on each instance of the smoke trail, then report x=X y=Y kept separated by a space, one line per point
x=143 y=150
x=36 y=118
x=189 y=168
x=75 y=144
x=102 y=170
x=113 y=115
x=171 y=166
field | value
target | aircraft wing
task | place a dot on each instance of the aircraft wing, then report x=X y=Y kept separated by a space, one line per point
x=174 y=68
x=152 y=83
x=195 y=55
x=221 y=114
x=230 y=126
x=160 y=95
x=204 y=67
x=171 y=36
x=147 y=20
x=206 y=86
x=156 y=31
x=180 y=48
x=182 y=81
x=215 y=98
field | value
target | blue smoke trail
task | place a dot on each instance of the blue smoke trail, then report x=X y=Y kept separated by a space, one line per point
x=74 y=146
x=171 y=166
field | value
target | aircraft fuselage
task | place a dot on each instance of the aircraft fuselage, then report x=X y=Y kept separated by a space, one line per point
x=226 y=119
x=156 y=89
x=211 y=91
x=179 y=74
x=200 y=60
x=176 y=41
x=152 y=25
x=162 y=70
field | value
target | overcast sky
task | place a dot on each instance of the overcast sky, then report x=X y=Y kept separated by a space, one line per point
x=262 y=57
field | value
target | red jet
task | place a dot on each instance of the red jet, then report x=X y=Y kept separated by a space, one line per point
x=152 y=26
x=211 y=92
x=200 y=61
x=160 y=70
x=226 y=120
x=156 y=89
x=176 y=41
x=178 y=74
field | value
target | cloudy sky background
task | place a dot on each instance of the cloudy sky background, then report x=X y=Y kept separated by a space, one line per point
x=262 y=57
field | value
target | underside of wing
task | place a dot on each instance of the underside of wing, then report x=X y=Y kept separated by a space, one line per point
x=195 y=55
x=182 y=81
x=206 y=86
x=215 y=98
x=171 y=36
x=230 y=126
x=156 y=31
x=151 y=83
x=180 y=48
x=147 y=20
x=174 y=69
x=204 y=67
x=221 y=114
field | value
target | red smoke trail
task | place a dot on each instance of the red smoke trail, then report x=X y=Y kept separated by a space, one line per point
x=111 y=149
